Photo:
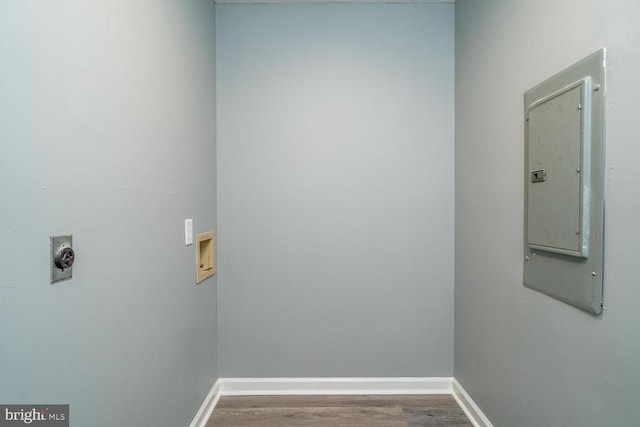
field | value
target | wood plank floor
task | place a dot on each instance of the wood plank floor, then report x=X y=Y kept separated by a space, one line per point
x=338 y=411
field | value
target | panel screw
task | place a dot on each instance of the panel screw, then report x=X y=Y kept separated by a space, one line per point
x=596 y=88
x=578 y=170
x=577 y=231
x=579 y=106
x=593 y=274
x=526 y=258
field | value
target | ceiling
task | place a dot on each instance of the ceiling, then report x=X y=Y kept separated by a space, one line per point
x=330 y=1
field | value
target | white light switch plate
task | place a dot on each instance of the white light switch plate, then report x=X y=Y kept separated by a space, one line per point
x=188 y=232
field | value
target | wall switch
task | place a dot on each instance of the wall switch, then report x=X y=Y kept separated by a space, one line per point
x=188 y=232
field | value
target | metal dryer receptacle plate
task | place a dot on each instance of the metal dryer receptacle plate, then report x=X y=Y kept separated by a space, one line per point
x=57 y=274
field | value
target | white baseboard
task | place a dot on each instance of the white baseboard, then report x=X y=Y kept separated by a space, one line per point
x=206 y=409
x=290 y=386
x=473 y=411
x=336 y=386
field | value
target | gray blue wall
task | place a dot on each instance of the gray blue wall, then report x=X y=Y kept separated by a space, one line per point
x=529 y=360
x=107 y=130
x=335 y=173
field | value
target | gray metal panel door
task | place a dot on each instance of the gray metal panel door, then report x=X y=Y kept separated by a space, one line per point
x=554 y=148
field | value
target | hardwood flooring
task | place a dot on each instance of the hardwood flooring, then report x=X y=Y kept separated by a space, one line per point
x=338 y=411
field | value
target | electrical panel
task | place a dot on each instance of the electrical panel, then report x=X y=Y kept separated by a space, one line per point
x=564 y=184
